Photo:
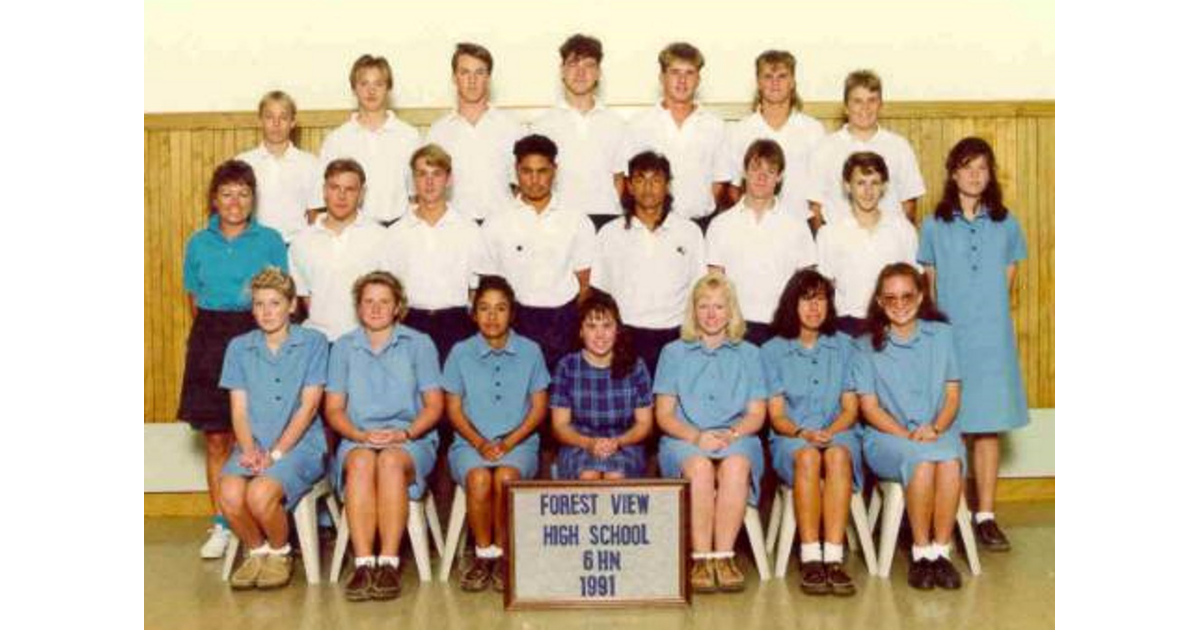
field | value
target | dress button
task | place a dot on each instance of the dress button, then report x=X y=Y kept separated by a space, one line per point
x=278 y=398
x=497 y=383
x=277 y=379
x=497 y=396
x=815 y=381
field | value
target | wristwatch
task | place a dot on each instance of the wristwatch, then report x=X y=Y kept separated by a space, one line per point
x=276 y=455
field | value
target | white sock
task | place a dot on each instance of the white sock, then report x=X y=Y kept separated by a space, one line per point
x=365 y=561
x=702 y=555
x=282 y=551
x=833 y=553
x=940 y=551
x=393 y=561
x=261 y=550
x=810 y=552
x=491 y=552
x=923 y=552
x=984 y=516
x=721 y=555
x=497 y=552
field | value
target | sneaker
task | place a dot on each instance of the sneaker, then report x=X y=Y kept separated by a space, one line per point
x=476 y=578
x=276 y=571
x=837 y=578
x=991 y=537
x=499 y=573
x=703 y=576
x=218 y=539
x=945 y=575
x=387 y=583
x=247 y=574
x=920 y=574
x=813 y=580
x=730 y=578
x=358 y=589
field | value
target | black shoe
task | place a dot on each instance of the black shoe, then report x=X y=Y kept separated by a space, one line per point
x=812 y=578
x=358 y=589
x=837 y=578
x=990 y=536
x=945 y=575
x=920 y=574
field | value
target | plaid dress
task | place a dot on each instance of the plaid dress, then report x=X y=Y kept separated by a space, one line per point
x=601 y=406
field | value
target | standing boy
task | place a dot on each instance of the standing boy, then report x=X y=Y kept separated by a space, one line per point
x=286 y=176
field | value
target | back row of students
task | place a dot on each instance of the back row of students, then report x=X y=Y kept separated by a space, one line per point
x=970 y=248
x=595 y=143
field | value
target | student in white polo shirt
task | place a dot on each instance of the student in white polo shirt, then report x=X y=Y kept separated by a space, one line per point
x=777 y=116
x=650 y=259
x=544 y=250
x=287 y=177
x=590 y=137
x=377 y=140
x=756 y=243
x=689 y=136
x=330 y=255
x=863 y=99
x=478 y=137
x=437 y=254
x=853 y=250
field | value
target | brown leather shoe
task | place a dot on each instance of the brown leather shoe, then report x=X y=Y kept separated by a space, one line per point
x=387 y=583
x=945 y=575
x=991 y=537
x=499 y=573
x=837 y=578
x=247 y=574
x=703 y=578
x=477 y=576
x=276 y=571
x=358 y=589
x=920 y=574
x=813 y=580
x=730 y=578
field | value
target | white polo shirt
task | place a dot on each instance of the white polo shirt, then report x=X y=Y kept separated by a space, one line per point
x=590 y=150
x=852 y=256
x=383 y=154
x=285 y=187
x=759 y=256
x=650 y=274
x=798 y=137
x=482 y=157
x=694 y=150
x=325 y=266
x=540 y=253
x=438 y=264
x=904 y=174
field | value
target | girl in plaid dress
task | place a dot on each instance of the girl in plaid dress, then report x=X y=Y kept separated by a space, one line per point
x=600 y=399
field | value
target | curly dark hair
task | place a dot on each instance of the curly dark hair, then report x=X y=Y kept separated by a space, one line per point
x=804 y=284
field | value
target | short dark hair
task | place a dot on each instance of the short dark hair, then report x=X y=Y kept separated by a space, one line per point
x=866 y=161
x=536 y=144
x=471 y=50
x=581 y=46
x=494 y=283
x=231 y=172
x=803 y=284
x=624 y=355
x=646 y=161
x=346 y=165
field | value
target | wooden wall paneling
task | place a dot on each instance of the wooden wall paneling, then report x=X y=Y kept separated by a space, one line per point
x=1045 y=310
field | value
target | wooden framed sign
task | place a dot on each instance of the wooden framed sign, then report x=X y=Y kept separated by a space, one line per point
x=597 y=543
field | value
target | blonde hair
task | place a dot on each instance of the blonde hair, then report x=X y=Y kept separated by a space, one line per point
x=275 y=279
x=735 y=330
x=278 y=96
x=384 y=278
x=434 y=155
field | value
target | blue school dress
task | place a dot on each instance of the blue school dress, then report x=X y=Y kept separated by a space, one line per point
x=971 y=258
x=909 y=377
x=811 y=381
x=713 y=388
x=273 y=382
x=496 y=386
x=601 y=406
x=384 y=392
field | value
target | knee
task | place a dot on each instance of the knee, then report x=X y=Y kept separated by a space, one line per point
x=218 y=444
x=479 y=482
x=949 y=470
x=391 y=464
x=837 y=457
x=232 y=495
x=263 y=495
x=360 y=467
x=699 y=470
x=735 y=467
x=807 y=463
x=504 y=475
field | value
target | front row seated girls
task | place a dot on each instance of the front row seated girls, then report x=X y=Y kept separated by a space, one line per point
x=815 y=436
x=496 y=398
x=908 y=383
x=275 y=375
x=384 y=399
x=601 y=399
x=711 y=402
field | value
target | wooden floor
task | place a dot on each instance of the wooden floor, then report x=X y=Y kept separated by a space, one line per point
x=1016 y=590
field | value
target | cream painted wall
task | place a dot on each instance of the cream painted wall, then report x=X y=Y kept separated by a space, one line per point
x=221 y=55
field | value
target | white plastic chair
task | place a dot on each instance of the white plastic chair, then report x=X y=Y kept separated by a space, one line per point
x=419 y=512
x=752 y=523
x=782 y=530
x=455 y=539
x=889 y=497
x=305 y=516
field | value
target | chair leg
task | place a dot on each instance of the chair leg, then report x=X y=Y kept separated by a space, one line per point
x=968 y=536
x=435 y=524
x=231 y=550
x=339 y=547
x=753 y=525
x=454 y=535
x=858 y=515
x=893 y=514
x=787 y=530
x=774 y=518
x=306 y=530
x=418 y=538
x=874 y=507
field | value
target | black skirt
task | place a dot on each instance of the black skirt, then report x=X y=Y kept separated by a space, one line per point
x=202 y=403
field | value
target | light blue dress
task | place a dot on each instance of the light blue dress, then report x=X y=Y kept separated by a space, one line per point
x=712 y=388
x=971 y=259
x=811 y=381
x=384 y=391
x=909 y=378
x=273 y=382
x=496 y=386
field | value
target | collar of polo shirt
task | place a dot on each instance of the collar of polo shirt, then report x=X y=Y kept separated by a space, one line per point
x=485 y=348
